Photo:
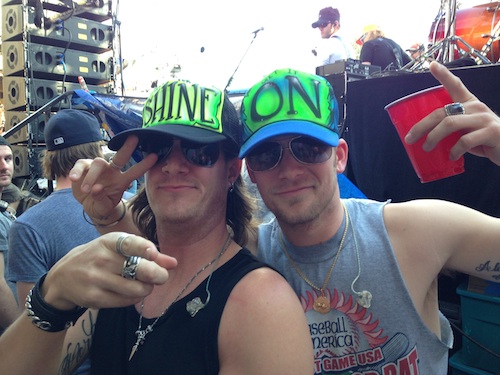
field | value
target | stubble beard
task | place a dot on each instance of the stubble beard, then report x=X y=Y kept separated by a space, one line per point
x=296 y=213
x=182 y=210
x=4 y=182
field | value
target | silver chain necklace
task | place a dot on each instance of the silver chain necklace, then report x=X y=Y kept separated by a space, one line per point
x=192 y=306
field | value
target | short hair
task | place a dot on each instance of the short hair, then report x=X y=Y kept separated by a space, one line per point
x=58 y=163
x=239 y=212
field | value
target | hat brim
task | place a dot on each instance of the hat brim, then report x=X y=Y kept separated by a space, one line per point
x=189 y=133
x=292 y=127
x=319 y=22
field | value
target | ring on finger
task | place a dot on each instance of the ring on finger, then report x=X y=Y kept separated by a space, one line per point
x=454 y=109
x=119 y=244
x=114 y=165
x=130 y=266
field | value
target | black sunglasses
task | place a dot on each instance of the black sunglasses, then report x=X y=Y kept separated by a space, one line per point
x=305 y=150
x=324 y=24
x=199 y=154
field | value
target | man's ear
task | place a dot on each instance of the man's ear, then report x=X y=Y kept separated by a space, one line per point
x=341 y=152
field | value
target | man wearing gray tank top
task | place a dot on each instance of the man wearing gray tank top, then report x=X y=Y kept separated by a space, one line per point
x=365 y=271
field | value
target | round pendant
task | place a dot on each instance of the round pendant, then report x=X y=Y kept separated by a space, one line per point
x=322 y=305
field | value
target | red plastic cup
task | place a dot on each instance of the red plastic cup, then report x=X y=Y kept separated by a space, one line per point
x=406 y=112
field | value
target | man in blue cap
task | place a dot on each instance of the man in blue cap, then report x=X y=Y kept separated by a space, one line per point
x=365 y=271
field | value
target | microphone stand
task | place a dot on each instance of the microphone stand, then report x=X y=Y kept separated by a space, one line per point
x=237 y=67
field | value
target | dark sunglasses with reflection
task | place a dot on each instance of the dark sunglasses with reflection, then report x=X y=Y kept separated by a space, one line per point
x=199 y=154
x=305 y=150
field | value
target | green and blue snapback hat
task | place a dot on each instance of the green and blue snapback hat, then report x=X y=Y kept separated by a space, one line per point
x=289 y=101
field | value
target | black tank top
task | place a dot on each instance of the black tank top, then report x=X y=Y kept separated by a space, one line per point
x=179 y=343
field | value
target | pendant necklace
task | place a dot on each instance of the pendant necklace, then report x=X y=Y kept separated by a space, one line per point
x=322 y=302
x=192 y=306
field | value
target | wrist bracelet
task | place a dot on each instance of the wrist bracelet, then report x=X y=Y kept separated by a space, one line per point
x=110 y=224
x=47 y=317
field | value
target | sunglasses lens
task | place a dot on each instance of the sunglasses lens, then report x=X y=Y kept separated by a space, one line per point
x=160 y=146
x=203 y=155
x=310 y=151
x=263 y=157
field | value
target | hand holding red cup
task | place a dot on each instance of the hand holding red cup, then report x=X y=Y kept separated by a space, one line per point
x=406 y=112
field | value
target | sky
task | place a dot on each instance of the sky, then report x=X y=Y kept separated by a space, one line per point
x=214 y=41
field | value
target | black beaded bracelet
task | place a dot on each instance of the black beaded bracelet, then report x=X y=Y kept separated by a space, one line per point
x=47 y=317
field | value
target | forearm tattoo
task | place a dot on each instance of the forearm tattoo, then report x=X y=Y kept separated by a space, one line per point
x=77 y=352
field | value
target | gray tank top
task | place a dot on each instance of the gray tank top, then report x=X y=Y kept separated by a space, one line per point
x=387 y=338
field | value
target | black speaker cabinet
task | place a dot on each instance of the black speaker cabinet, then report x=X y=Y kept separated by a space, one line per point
x=21 y=93
x=31 y=131
x=26 y=160
x=82 y=34
x=54 y=63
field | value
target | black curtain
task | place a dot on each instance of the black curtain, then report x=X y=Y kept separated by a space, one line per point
x=378 y=163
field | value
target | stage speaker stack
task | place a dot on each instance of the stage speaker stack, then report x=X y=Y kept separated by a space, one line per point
x=46 y=46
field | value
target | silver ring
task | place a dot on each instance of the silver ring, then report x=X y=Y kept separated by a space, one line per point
x=454 y=109
x=119 y=244
x=114 y=165
x=130 y=266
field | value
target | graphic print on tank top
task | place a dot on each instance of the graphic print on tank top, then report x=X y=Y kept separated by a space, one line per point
x=349 y=340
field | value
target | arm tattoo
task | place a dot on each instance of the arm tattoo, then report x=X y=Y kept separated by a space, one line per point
x=77 y=352
x=492 y=269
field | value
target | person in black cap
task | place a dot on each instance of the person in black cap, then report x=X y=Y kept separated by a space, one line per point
x=44 y=233
x=212 y=309
x=335 y=49
x=8 y=304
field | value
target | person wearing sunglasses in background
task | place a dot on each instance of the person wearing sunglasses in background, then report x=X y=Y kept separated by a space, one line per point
x=181 y=296
x=333 y=48
x=365 y=271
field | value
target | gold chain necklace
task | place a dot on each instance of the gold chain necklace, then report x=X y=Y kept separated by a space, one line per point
x=321 y=303
x=142 y=333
